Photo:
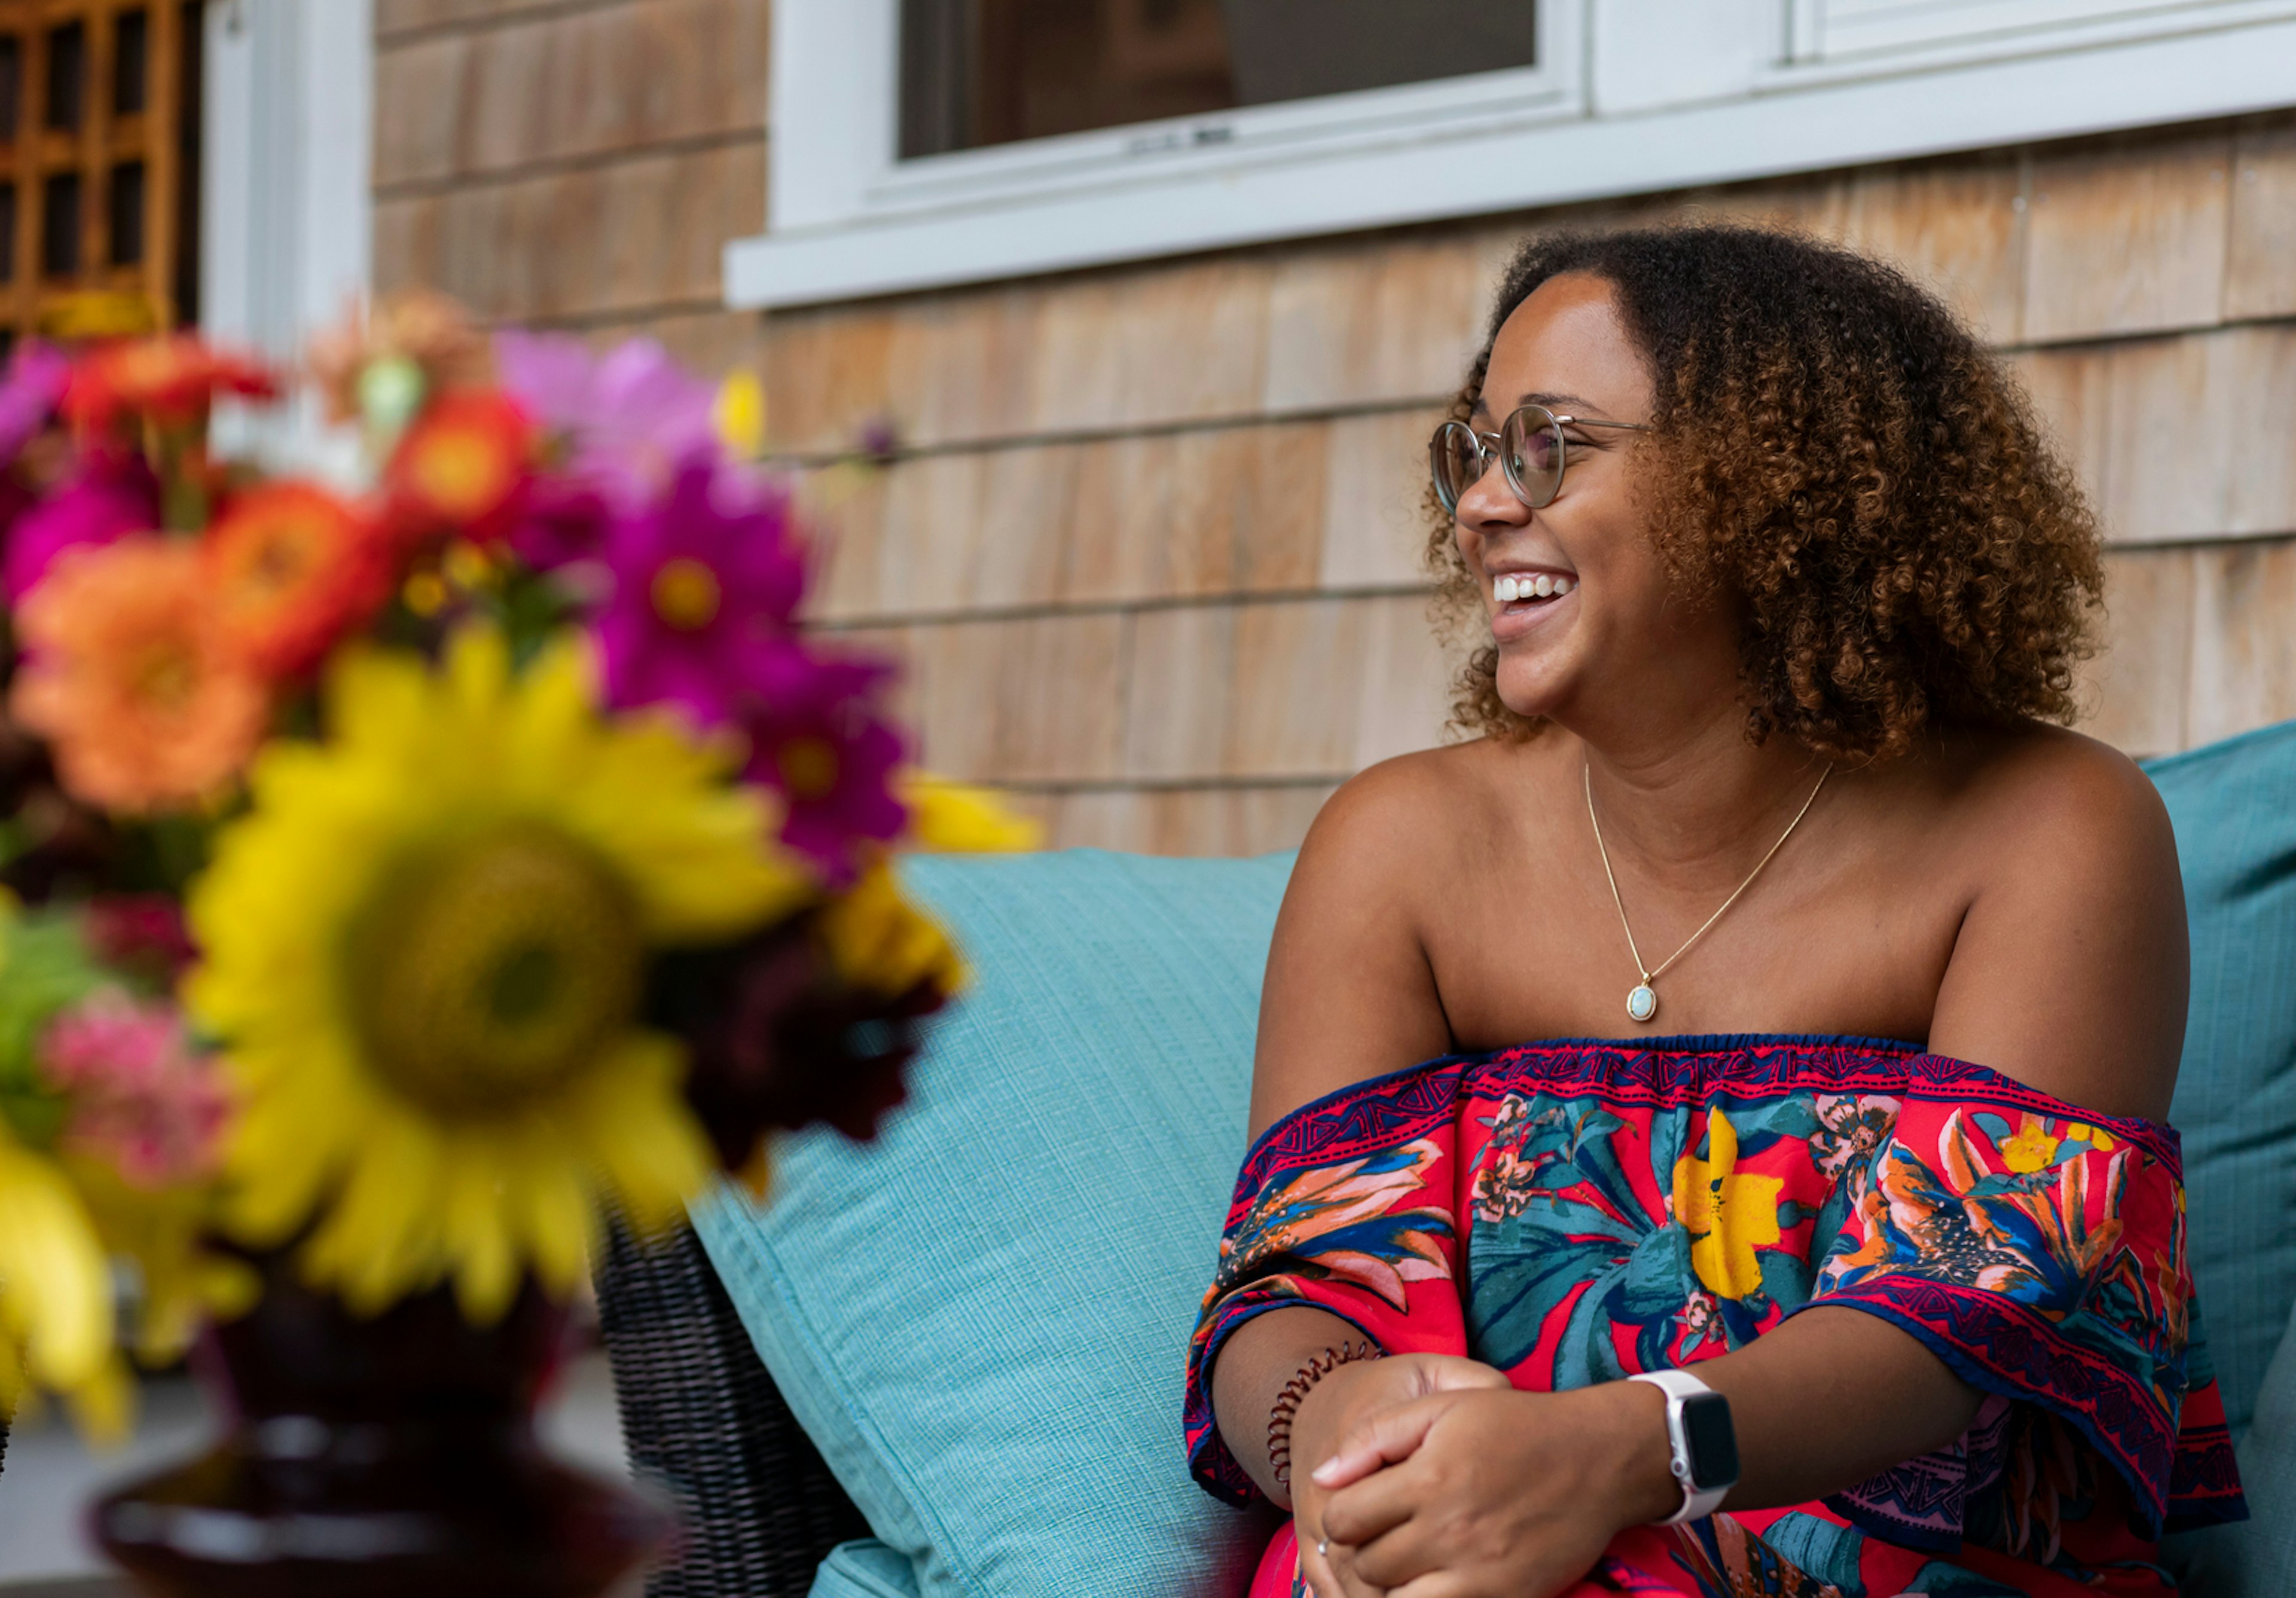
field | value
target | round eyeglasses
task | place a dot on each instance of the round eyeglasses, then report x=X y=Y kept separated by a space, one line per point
x=1530 y=447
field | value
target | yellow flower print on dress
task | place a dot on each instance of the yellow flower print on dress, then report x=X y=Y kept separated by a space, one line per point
x=2031 y=1148
x=1728 y=1214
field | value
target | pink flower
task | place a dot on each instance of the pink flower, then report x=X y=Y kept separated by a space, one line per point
x=815 y=733
x=705 y=582
x=114 y=495
x=628 y=422
x=140 y=1096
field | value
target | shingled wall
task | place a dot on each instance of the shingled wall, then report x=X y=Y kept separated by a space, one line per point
x=1149 y=546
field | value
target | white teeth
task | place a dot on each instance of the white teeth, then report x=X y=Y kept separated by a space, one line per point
x=1510 y=588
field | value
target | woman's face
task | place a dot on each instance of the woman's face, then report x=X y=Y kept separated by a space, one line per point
x=1566 y=347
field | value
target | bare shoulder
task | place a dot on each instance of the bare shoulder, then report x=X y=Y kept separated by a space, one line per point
x=1350 y=992
x=1389 y=816
x=2048 y=778
x=2071 y=969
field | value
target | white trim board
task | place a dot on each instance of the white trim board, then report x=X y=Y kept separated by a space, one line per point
x=849 y=226
x=286 y=223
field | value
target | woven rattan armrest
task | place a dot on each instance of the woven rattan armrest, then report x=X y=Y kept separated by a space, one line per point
x=707 y=1429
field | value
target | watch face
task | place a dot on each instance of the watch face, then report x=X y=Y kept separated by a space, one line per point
x=1712 y=1440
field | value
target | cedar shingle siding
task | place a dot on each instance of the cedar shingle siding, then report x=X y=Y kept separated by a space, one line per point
x=1152 y=551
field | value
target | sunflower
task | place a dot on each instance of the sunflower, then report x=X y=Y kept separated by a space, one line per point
x=424 y=949
x=56 y=1296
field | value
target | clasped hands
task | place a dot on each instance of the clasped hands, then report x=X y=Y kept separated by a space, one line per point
x=1430 y=1477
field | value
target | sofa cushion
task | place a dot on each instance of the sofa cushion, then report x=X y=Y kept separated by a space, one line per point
x=867 y=1568
x=2233 y=806
x=982 y=1319
x=2257 y=1557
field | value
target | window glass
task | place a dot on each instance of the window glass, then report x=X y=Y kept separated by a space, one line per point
x=983 y=72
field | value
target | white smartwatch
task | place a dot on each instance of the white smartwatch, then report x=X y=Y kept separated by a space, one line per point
x=1702 y=1440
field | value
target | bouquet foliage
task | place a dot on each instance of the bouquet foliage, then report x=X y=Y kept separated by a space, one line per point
x=401 y=872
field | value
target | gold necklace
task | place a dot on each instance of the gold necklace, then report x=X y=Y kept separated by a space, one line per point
x=1642 y=1002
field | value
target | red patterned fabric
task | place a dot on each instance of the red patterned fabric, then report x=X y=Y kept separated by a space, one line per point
x=1572 y=1212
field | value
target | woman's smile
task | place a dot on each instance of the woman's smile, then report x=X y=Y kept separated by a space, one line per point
x=1524 y=600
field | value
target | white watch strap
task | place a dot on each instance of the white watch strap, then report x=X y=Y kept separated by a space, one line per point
x=1677 y=1386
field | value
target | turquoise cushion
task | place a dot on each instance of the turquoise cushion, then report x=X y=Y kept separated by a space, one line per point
x=2234 y=804
x=2256 y=1558
x=867 y=1568
x=982 y=1319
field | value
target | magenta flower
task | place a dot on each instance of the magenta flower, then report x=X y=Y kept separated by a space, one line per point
x=814 y=734
x=140 y=1096
x=704 y=584
x=561 y=520
x=30 y=389
x=113 y=495
x=143 y=934
x=628 y=422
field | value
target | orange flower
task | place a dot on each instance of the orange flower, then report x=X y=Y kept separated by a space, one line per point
x=127 y=674
x=290 y=569
x=171 y=379
x=422 y=327
x=460 y=467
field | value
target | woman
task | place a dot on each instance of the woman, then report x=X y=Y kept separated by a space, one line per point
x=1783 y=593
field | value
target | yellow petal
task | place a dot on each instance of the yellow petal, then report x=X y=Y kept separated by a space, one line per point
x=952 y=818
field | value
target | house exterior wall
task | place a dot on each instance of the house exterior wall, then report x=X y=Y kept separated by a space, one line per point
x=1149 y=543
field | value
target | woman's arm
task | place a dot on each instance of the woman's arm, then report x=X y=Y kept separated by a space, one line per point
x=1349 y=993
x=1265 y=1353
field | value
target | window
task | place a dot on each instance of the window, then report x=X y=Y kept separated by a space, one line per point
x=100 y=109
x=1833 y=30
x=976 y=140
x=983 y=72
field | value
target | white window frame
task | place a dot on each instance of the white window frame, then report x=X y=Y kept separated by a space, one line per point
x=286 y=203
x=1632 y=97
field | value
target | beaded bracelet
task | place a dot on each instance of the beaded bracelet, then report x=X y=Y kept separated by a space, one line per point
x=1288 y=1401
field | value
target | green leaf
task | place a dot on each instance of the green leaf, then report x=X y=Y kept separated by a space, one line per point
x=1512 y=1294
x=1786 y=1276
x=1588 y=1355
x=1659 y=1274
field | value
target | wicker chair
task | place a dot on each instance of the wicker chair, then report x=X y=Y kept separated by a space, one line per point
x=707 y=1429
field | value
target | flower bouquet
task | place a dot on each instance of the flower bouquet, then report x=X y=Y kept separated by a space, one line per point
x=403 y=874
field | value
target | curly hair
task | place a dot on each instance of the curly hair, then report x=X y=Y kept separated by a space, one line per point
x=1836 y=454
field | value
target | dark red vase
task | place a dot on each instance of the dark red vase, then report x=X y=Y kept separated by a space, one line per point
x=394 y=1457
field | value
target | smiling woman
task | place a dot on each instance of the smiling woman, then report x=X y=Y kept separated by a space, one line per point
x=1780 y=592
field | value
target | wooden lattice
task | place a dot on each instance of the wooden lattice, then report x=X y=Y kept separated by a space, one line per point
x=99 y=154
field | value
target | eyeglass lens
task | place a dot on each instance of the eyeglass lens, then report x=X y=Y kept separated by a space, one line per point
x=1530 y=448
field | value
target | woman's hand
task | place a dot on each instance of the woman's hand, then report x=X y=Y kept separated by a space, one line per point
x=1342 y=1404
x=1488 y=1494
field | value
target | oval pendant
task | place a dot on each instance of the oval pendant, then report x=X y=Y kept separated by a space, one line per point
x=1642 y=1003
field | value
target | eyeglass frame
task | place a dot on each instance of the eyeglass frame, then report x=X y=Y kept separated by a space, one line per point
x=1555 y=424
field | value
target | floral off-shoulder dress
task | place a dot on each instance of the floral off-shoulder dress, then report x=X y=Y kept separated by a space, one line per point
x=1571 y=1212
